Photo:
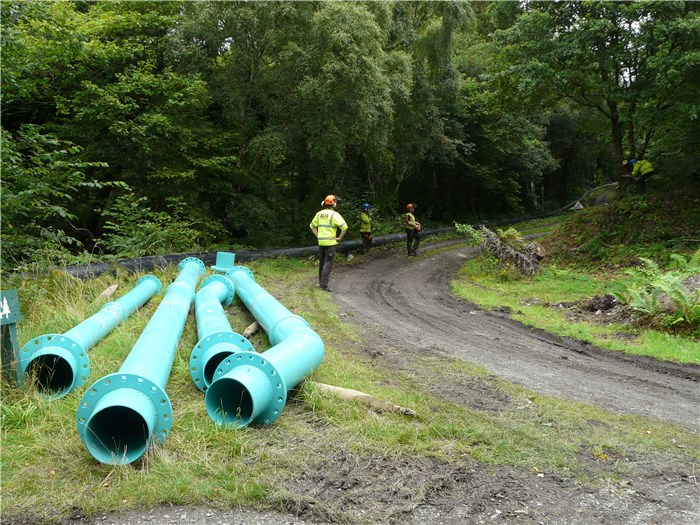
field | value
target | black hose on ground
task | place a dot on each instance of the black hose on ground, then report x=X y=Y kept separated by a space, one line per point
x=148 y=264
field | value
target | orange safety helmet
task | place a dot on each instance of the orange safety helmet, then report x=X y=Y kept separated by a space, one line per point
x=331 y=200
x=410 y=207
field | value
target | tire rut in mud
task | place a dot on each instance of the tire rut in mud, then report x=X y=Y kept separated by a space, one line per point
x=410 y=303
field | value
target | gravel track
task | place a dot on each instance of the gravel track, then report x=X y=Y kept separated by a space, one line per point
x=410 y=300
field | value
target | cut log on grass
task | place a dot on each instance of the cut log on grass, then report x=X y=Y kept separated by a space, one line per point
x=251 y=330
x=369 y=401
x=107 y=293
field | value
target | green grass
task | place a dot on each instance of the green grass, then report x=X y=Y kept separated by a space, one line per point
x=532 y=299
x=47 y=471
x=538 y=225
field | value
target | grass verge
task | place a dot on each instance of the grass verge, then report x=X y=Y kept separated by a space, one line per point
x=534 y=300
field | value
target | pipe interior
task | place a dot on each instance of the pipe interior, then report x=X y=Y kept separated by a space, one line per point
x=229 y=402
x=211 y=366
x=51 y=373
x=117 y=435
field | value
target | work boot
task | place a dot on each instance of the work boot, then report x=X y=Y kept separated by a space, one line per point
x=326 y=288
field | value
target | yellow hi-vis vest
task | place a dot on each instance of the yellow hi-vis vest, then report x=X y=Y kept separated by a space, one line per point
x=365 y=222
x=327 y=221
x=412 y=218
x=642 y=167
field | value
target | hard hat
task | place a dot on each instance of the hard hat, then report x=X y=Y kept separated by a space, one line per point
x=330 y=200
x=410 y=206
x=633 y=162
x=365 y=206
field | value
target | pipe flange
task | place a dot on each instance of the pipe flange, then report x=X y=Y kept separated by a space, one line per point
x=151 y=278
x=279 y=389
x=187 y=260
x=238 y=344
x=241 y=269
x=221 y=279
x=29 y=351
x=112 y=382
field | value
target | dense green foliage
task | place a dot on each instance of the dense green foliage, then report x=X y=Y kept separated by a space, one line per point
x=135 y=128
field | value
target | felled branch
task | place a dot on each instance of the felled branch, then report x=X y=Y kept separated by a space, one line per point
x=251 y=330
x=527 y=260
x=369 y=401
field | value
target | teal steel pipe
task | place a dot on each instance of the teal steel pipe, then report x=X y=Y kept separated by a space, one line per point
x=217 y=340
x=122 y=413
x=58 y=364
x=252 y=388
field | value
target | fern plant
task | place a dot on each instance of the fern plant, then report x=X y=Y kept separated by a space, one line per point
x=662 y=296
x=687 y=303
x=133 y=229
x=650 y=270
x=682 y=264
x=637 y=297
x=511 y=236
x=475 y=237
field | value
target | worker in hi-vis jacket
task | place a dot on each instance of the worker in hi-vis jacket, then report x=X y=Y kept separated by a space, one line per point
x=412 y=230
x=366 y=227
x=324 y=226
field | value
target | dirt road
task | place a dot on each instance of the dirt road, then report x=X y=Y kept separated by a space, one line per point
x=409 y=300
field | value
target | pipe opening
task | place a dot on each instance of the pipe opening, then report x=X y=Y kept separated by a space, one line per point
x=229 y=402
x=51 y=374
x=117 y=435
x=212 y=365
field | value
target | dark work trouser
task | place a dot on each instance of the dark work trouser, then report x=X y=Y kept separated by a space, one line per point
x=412 y=240
x=326 y=254
x=641 y=187
x=366 y=241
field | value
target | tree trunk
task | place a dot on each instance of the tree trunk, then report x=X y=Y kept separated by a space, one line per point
x=617 y=129
x=631 y=139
